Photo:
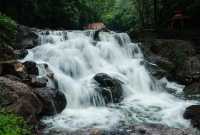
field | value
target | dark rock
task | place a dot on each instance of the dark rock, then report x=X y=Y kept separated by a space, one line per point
x=163 y=63
x=25 y=71
x=6 y=53
x=26 y=38
x=13 y=68
x=174 y=50
x=177 y=57
x=20 y=54
x=37 y=82
x=189 y=70
x=12 y=77
x=53 y=100
x=30 y=103
x=31 y=67
x=19 y=98
x=97 y=32
x=110 y=88
x=192 y=91
x=163 y=66
x=156 y=71
x=193 y=113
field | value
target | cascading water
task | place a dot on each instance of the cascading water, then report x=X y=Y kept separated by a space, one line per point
x=74 y=57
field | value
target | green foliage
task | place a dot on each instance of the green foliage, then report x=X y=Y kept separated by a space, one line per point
x=122 y=15
x=7 y=24
x=7 y=30
x=117 y=14
x=11 y=124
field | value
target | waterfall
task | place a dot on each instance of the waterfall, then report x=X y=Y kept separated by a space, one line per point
x=74 y=58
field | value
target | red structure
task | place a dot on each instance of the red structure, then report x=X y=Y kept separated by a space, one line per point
x=95 y=26
x=178 y=20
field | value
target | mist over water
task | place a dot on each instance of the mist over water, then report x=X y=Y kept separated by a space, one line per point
x=75 y=58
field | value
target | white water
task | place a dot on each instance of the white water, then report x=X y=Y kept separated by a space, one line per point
x=74 y=58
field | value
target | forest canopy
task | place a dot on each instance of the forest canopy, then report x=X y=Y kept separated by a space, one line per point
x=116 y=14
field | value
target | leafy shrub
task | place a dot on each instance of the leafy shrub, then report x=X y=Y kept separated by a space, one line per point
x=7 y=23
x=10 y=124
x=7 y=30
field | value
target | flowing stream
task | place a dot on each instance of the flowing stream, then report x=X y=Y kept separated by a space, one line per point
x=74 y=57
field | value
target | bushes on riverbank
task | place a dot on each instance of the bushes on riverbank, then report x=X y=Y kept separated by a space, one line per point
x=11 y=124
x=7 y=30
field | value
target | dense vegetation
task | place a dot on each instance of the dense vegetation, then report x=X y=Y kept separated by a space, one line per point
x=117 y=14
x=11 y=124
x=7 y=30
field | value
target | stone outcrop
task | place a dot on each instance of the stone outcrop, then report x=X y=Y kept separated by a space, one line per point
x=177 y=57
x=28 y=102
x=26 y=38
x=192 y=91
x=192 y=113
x=110 y=88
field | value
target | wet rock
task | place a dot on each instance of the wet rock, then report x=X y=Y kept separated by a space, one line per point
x=110 y=88
x=192 y=91
x=20 y=54
x=193 y=113
x=163 y=63
x=159 y=67
x=30 y=103
x=36 y=82
x=26 y=38
x=156 y=71
x=31 y=67
x=54 y=101
x=97 y=32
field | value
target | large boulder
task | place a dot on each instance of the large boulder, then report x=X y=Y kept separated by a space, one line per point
x=177 y=57
x=192 y=91
x=54 y=101
x=110 y=88
x=20 y=54
x=31 y=67
x=26 y=38
x=193 y=113
x=30 y=103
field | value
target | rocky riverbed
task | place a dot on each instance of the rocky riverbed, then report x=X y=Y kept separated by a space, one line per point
x=23 y=92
